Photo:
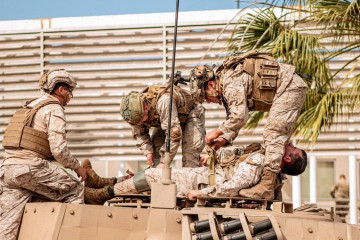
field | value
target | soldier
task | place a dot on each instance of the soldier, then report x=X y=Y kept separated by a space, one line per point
x=238 y=168
x=253 y=81
x=340 y=191
x=35 y=135
x=150 y=109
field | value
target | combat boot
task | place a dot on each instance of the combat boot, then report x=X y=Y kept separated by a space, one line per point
x=264 y=189
x=98 y=196
x=93 y=180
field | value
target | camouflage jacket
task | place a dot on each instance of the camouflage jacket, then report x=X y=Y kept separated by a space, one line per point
x=141 y=133
x=340 y=190
x=51 y=120
x=237 y=88
x=247 y=174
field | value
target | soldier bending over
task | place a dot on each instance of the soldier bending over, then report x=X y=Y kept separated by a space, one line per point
x=253 y=82
x=150 y=109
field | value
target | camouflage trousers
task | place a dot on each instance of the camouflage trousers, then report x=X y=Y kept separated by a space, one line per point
x=18 y=183
x=193 y=141
x=283 y=115
x=186 y=179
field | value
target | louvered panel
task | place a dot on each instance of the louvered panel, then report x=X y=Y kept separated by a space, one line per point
x=108 y=64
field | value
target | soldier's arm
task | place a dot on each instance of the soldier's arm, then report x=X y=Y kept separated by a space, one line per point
x=56 y=124
x=162 y=108
x=332 y=190
x=143 y=140
x=236 y=99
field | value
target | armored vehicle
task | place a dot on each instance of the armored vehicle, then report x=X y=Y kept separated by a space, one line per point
x=135 y=217
x=163 y=216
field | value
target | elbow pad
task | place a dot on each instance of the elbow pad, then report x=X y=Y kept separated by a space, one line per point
x=175 y=133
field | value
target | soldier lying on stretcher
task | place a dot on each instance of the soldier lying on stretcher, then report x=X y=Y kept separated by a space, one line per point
x=238 y=168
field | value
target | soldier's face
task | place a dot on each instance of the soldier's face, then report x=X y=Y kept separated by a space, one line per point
x=146 y=115
x=69 y=96
x=210 y=93
x=291 y=152
x=65 y=94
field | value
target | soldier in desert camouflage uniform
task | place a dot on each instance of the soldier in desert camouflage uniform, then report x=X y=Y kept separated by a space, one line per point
x=150 y=109
x=340 y=191
x=26 y=171
x=253 y=81
x=238 y=168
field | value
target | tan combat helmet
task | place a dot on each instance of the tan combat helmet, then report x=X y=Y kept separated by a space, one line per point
x=50 y=78
x=198 y=77
x=132 y=107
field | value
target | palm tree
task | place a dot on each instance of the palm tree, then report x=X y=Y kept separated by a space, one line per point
x=321 y=31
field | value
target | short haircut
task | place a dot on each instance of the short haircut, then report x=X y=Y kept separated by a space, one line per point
x=297 y=166
x=60 y=84
x=342 y=176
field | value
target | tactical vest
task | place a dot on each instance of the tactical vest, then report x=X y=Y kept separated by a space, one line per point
x=183 y=99
x=20 y=135
x=229 y=163
x=264 y=70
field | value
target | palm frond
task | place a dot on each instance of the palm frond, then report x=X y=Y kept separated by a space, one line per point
x=251 y=28
x=341 y=16
x=290 y=42
x=303 y=51
x=254 y=118
x=321 y=116
x=352 y=91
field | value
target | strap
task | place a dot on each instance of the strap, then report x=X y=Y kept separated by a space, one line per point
x=35 y=109
x=227 y=175
x=212 y=160
x=252 y=148
x=229 y=162
x=232 y=170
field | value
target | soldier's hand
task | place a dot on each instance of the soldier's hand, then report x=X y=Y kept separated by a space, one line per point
x=193 y=194
x=219 y=142
x=211 y=136
x=81 y=172
x=203 y=160
x=150 y=159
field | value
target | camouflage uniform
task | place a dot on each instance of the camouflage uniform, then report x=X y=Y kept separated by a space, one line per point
x=25 y=173
x=193 y=132
x=340 y=191
x=247 y=174
x=285 y=110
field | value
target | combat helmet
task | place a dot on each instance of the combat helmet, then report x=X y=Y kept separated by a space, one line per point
x=198 y=77
x=132 y=107
x=50 y=78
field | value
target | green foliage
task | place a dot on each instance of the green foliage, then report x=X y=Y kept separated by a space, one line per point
x=322 y=31
x=254 y=118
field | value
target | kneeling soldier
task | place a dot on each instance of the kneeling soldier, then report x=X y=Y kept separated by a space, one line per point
x=36 y=135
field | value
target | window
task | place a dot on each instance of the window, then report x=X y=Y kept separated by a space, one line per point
x=325 y=179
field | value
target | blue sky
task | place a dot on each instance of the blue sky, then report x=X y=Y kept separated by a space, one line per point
x=31 y=9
